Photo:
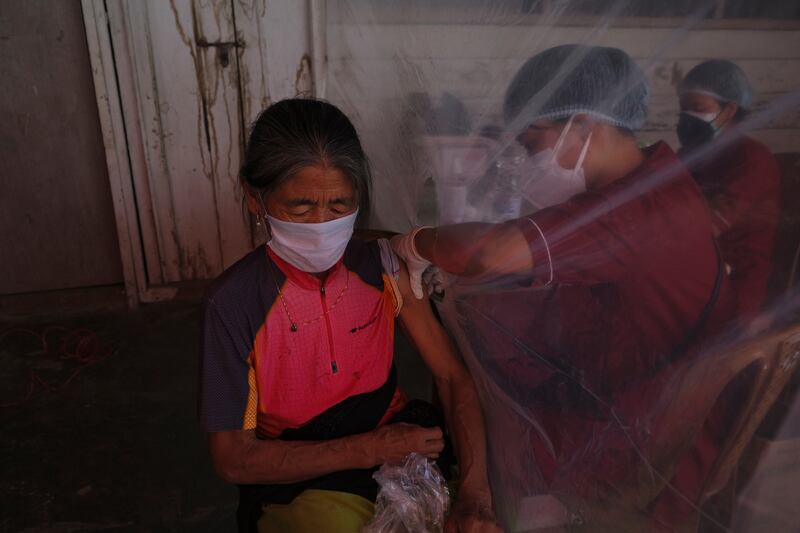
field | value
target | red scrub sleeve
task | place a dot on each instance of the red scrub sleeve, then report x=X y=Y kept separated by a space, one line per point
x=752 y=185
x=576 y=242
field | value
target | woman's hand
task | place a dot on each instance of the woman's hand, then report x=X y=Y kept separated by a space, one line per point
x=393 y=442
x=472 y=515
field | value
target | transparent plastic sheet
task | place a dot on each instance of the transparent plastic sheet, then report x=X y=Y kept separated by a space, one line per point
x=413 y=497
x=424 y=83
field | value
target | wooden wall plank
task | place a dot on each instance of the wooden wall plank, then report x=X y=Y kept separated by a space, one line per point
x=485 y=41
x=131 y=134
x=219 y=83
x=274 y=60
x=778 y=140
x=483 y=78
x=375 y=68
x=253 y=57
x=381 y=64
x=106 y=84
x=172 y=114
x=664 y=114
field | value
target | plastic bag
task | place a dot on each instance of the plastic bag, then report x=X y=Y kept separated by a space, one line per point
x=413 y=498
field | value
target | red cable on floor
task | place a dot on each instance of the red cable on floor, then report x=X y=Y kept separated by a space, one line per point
x=80 y=346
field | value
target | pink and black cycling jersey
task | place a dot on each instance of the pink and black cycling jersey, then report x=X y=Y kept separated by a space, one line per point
x=280 y=347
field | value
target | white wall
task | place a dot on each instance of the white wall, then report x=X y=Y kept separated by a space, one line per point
x=185 y=113
x=374 y=66
x=467 y=61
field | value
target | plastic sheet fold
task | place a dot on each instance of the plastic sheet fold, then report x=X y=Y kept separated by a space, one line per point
x=574 y=440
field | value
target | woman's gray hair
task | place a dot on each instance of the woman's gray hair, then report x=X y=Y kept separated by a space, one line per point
x=297 y=133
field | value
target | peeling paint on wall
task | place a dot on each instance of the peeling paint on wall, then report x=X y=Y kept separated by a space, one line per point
x=303 y=79
x=202 y=80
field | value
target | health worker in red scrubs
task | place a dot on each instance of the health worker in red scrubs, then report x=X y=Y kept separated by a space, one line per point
x=629 y=225
x=737 y=174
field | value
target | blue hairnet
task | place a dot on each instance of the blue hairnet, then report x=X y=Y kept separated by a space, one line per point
x=721 y=79
x=571 y=79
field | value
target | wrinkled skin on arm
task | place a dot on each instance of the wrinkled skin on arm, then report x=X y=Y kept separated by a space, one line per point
x=462 y=412
x=241 y=458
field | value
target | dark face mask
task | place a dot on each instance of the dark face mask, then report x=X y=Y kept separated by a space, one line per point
x=694 y=131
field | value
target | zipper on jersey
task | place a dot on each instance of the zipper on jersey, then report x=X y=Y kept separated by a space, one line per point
x=323 y=296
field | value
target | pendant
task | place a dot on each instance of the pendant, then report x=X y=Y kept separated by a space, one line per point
x=293 y=327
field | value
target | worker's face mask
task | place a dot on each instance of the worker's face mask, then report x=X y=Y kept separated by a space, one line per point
x=311 y=247
x=544 y=182
x=696 y=129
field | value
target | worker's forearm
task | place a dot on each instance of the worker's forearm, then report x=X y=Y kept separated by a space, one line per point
x=455 y=249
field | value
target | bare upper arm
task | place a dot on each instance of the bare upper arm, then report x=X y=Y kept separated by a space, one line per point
x=427 y=334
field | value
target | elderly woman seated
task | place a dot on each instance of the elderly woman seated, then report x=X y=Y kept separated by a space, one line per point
x=299 y=391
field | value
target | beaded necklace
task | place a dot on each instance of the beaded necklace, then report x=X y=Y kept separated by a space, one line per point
x=293 y=324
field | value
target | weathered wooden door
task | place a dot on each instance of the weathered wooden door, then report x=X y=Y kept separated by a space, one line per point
x=184 y=100
x=193 y=74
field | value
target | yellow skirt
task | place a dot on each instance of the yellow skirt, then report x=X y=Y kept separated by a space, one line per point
x=318 y=510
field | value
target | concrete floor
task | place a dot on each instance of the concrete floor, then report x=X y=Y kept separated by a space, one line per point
x=118 y=448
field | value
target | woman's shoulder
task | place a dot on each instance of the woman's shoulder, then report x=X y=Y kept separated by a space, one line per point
x=363 y=256
x=239 y=281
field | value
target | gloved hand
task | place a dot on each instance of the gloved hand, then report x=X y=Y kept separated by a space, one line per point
x=403 y=246
x=433 y=280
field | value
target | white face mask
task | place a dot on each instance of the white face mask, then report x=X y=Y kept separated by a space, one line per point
x=311 y=247
x=544 y=182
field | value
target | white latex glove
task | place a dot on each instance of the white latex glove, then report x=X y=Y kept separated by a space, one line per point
x=403 y=245
x=433 y=280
